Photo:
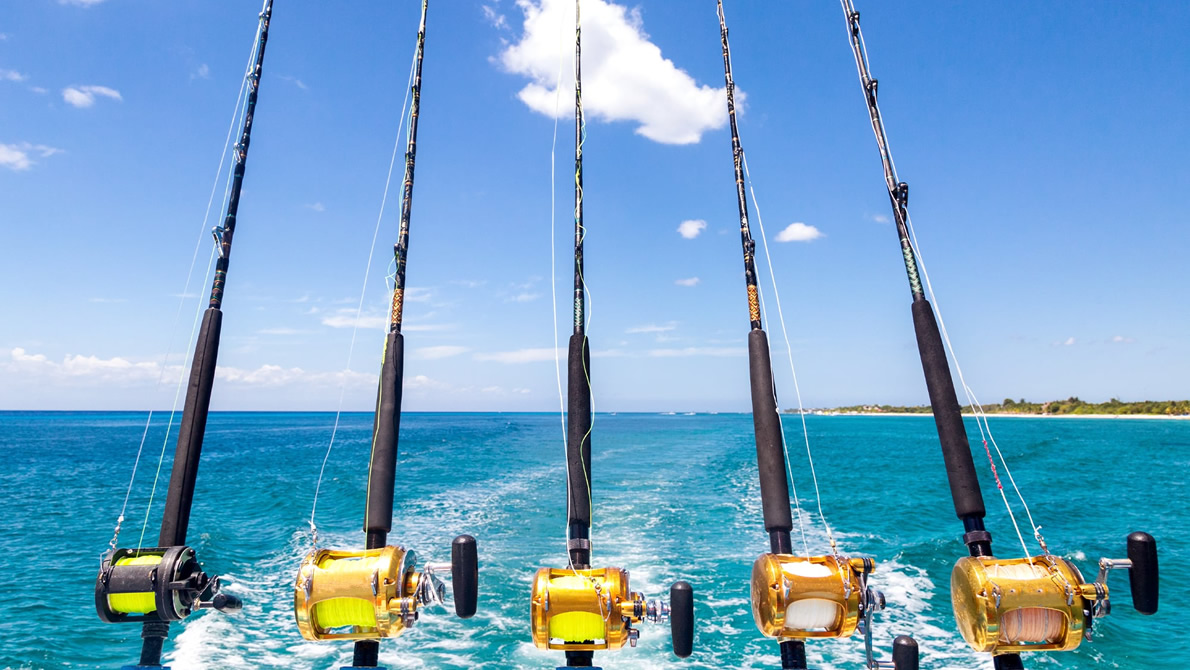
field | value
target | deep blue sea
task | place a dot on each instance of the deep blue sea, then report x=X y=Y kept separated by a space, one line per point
x=675 y=497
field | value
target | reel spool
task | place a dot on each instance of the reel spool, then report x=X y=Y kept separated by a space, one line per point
x=797 y=598
x=1043 y=603
x=156 y=584
x=376 y=593
x=592 y=609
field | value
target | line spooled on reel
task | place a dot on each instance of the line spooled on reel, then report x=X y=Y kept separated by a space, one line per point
x=154 y=586
x=581 y=609
x=1002 y=606
x=378 y=592
x=794 y=598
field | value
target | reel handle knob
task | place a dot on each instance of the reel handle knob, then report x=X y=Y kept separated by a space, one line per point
x=904 y=653
x=681 y=618
x=1142 y=576
x=464 y=573
x=225 y=603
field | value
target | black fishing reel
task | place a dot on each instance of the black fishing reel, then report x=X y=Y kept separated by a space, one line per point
x=799 y=597
x=377 y=593
x=1042 y=603
x=157 y=584
x=581 y=610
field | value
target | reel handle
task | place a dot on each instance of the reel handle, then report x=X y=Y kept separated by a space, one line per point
x=681 y=618
x=464 y=573
x=1142 y=575
x=904 y=654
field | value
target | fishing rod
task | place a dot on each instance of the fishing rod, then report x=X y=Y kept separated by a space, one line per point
x=1002 y=606
x=580 y=609
x=158 y=585
x=794 y=598
x=377 y=592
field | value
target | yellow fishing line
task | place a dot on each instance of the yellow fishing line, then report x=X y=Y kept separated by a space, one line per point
x=134 y=603
x=576 y=626
x=340 y=612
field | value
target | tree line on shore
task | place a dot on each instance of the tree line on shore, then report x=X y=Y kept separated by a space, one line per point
x=1071 y=405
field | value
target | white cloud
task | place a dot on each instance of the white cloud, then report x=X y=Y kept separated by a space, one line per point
x=495 y=18
x=625 y=77
x=880 y=218
x=11 y=75
x=39 y=90
x=422 y=382
x=522 y=355
x=524 y=297
x=296 y=82
x=3 y=37
x=279 y=331
x=798 y=232
x=84 y=96
x=440 y=351
x=83 y=369
x=80 y=3
x=317 y=207
x=418 y=294
x=273 y=376
x=690 y=281
x=698 y=351
x=203 y=72
x=346 y=318
x=1068 y=342
x=16 y=156
x=1120 y=339
x=651 y=328
x=691 y=228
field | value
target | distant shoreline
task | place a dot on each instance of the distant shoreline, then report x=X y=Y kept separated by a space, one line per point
x=1163 y=417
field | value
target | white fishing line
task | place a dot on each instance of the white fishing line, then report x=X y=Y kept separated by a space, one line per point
x=553 y=257
x=237 y=116
x=360 y=306
x=882 y=141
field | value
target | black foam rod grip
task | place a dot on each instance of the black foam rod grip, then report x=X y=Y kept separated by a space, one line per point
x=770 y=452
x=956 y=451
x=904 y=653
x=681 y=618
x=382 y=466
x=176 y=519
x=1142 y=551
x=464 y=575
x=578 y=430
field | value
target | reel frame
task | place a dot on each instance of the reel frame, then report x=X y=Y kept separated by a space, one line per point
x=388 y=580
x=982 y=601
x=776 y=587
x=176 y=580
x=604 y=594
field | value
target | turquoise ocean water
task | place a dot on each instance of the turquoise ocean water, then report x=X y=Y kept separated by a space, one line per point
x=675 y=497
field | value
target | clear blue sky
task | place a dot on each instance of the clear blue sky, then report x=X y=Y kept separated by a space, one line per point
x=1044 y=144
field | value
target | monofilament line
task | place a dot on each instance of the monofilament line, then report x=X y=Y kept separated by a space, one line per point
x=202 y=232
x=360 y=306
x=890 y=175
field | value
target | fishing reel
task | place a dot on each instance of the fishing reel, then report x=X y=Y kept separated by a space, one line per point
x=375 y=593
x=1042 y=603
x=592 y=609
x=797 y=598
x=156 y=584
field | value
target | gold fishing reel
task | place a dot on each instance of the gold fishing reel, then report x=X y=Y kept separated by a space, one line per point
x=156 y=584
x=592 y=609
x=376 y=593
x=1043 y=603
x=799 y=597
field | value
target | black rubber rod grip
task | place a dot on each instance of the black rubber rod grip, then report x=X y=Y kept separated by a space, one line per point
x=176 y=519
x=1142 y=551
x=770 y=454
x=578 y=431
x=793 y=655
x=956 y=451
x=681 y=618
x=1008 y=662
x=382 y=467
x=904 y=653
x=464 y=575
